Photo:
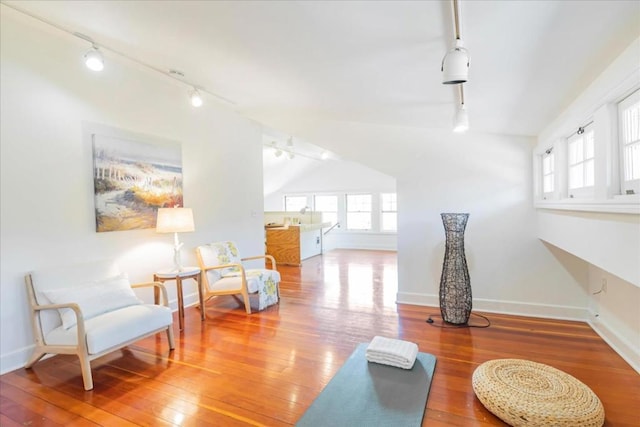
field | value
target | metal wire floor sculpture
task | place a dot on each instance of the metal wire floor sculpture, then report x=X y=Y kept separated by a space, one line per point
x=455 y=284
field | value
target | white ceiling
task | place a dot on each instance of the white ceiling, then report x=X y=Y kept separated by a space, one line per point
x=367 y=61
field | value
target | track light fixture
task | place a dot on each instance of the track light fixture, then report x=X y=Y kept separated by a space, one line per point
x=461 y=118
x=196 y=98
x=455 y=65
x=93 y=59
x=291 y=153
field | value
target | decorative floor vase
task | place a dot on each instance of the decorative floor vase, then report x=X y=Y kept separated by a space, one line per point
x=455 y=285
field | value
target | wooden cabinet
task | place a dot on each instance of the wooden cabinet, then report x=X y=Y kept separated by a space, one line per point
x=291 y=245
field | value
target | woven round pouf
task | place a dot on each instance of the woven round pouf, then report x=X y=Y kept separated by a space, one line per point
x=524 y=393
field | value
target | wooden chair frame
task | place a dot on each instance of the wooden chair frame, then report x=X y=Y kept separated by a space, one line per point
x=42 y=348
x=243 y=289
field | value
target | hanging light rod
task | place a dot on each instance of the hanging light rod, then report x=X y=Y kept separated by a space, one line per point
x=121 y=54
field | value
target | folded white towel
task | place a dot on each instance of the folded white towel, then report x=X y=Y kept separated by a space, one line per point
x=388 y=351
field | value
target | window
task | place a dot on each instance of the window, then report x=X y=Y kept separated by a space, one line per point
x=548 y=161
x=581 y=158
x=389 y=212
x=294 y=203
x=358 y=211
x=328 y=206
x=629 y=134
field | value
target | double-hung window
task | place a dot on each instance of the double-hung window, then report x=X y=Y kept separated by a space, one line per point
x=388 y=212
x=358 y=211
x=580 y=150
x=328 y=207
x=294 y=203
x=548 y=160
x=629 y=135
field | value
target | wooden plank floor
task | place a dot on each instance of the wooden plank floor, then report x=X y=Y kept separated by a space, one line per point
x=266 y=368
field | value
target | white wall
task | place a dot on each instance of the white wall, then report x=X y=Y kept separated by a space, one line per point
x=608 y=241
x=47 y=210
x=488 y=176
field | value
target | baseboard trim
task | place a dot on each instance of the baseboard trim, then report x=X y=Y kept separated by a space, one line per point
x=616 y=342
x=547 y=311
x=515 y=308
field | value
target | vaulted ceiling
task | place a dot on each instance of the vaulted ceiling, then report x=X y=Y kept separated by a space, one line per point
x=367 y=61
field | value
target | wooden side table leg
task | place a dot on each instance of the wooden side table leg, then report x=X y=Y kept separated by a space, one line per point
x=180 y=303
x=200 y=295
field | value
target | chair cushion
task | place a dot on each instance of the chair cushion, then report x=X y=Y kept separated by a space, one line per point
x=93 y=298
x=111 y=329
x=60 y=277
x=219 y=253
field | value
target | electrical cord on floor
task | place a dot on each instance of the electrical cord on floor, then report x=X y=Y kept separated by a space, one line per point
x=446 y=325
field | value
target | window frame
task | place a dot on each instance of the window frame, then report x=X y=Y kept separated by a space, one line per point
x=348 y=211
x=585 y=136
x=548 y=153
x=627 y=184
x=383 y=212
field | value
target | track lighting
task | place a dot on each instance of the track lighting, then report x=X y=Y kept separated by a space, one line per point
x=461 y=119
x=93 y=59
x=196 y=98
x=455 y=65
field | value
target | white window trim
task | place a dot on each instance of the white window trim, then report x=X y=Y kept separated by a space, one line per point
x=626 y=184
x=607 y=196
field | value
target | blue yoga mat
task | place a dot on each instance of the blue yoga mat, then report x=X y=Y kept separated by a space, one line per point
x=370 y=394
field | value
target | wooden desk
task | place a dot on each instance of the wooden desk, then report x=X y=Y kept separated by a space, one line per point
x=186 y=273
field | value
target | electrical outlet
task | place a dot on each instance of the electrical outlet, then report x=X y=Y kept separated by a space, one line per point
x=604 y=286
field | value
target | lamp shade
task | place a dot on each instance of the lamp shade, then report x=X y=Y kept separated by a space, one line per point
x=93 y=59
x=461 y=120
x=174 y=220
x=455 y=65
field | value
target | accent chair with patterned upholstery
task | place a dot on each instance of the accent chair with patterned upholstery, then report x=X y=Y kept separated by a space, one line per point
x=223 y=273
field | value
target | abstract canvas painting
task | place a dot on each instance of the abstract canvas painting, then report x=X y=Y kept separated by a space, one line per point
x=132 y=179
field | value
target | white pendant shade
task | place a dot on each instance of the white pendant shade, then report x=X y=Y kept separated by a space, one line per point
x=196 y=99
x=455 y=65
x=93 y=59
x=461 y=120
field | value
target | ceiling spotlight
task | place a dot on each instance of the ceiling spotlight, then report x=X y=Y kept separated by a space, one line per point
x=291 y=155
x=324 y=155
x=461 y=119
x=93 y=59
x=196 y=98
x=455 y=65
x=278 y=152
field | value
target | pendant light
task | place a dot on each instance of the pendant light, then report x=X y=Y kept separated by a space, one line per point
x=455 y=64
x=93 y=59
x=196 y=98
x=461 y=118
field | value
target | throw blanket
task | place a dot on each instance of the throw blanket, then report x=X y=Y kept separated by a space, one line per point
x=387 y=351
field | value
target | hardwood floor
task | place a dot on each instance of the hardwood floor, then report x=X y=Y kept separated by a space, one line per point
x=266 y=368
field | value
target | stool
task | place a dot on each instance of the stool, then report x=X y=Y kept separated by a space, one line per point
x=525 y=393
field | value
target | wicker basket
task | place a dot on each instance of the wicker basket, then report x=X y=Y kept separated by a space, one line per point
x=525 y=393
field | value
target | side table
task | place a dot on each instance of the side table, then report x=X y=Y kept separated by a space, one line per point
x=186 y=273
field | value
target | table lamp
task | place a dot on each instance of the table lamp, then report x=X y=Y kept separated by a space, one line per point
x=175 y=220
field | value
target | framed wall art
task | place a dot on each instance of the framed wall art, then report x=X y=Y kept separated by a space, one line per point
x=132 y=179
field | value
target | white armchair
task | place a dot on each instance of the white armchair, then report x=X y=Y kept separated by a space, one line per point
x=223 y=273
x=90 y=310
